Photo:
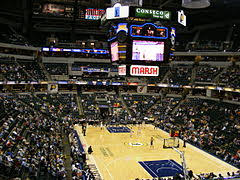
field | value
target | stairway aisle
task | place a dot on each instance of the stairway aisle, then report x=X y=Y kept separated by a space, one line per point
x=68 y=160
x=49 y=78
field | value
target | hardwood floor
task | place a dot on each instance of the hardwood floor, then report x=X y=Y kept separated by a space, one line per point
x=117 y=158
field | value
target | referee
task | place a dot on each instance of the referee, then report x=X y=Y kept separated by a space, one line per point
x=151 y=143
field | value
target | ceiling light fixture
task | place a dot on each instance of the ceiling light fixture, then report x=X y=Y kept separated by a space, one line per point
x=195 y=4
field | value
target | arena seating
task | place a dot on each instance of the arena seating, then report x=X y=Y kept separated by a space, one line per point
x=12 y=71
x=180 y=75
x=8 y=36
x=27 y=132
x=92 y=103
x=33 y=69
x=207 y=73
x=210 y=125
x=164 y=107
x=88 y=101
x=28 y=125
x=79 y=167
x=56 y=68
x=231 y=77
x=21 y=70
x=206 y=45
x=162 y=73
x=139 y=104
x=37 y=136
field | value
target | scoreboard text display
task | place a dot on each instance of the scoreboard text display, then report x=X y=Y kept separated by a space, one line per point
x=152 y=14
x=148 y=30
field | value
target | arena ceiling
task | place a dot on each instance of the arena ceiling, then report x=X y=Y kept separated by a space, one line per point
x=221 y=12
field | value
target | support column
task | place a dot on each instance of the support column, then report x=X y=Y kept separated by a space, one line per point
x=27 y=17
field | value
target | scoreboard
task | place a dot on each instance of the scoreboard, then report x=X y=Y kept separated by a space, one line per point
x=140 y=49
x=144 y=43
x=149 y=30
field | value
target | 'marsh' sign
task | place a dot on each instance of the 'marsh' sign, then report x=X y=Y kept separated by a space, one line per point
x=152 y=14
x=139 y=70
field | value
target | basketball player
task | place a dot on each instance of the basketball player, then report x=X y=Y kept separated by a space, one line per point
x=84 y=129
x=101 y=125
x=143 y=124
x=151 y=143
x=139 y=131
x=131 y=133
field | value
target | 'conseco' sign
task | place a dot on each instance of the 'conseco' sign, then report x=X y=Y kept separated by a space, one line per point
x=138 y=70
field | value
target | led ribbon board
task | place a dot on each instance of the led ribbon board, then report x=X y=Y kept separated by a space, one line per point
x=152 y=14
x=149 y=30
x=85 y=51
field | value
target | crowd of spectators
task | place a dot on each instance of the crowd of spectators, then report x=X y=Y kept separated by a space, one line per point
x=164 y=107
x=140 y=104
x=33 y=69
x=21 y=70
x=207 y=73
x=212 y=126
x=57 y=68
x=89 y=105
x=11 y=71
x=107 y=107
x=32 y=130
x=31 y=143
x=212 y=176
x=162 y=73
x=177 y=75
x=231 y=77
x=180 y=75
x=78 y=154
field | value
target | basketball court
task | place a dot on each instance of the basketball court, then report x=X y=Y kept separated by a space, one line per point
x=126 y=156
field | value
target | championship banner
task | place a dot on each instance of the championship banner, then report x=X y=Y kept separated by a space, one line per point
x=182 y=18
x=117 y=12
